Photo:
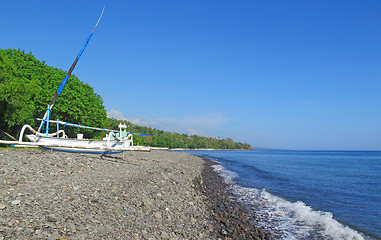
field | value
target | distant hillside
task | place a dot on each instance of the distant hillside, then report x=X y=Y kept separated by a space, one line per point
x=159 y=138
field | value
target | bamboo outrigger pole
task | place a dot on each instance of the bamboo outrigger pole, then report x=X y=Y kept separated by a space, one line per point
x=93 y=128
x=61 y=87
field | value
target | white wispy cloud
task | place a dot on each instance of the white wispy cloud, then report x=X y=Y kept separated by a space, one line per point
x=116 y=114
x=191 y=131
x=189 y=124
x=113 y=113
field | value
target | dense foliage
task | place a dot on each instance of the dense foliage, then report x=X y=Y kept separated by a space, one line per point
x=159 y=138
x=28 y=85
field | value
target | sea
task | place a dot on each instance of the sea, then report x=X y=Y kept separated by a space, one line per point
x=307 y=194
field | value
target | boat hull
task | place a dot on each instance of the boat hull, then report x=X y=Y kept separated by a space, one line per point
x=82 y=150
x=84 y=145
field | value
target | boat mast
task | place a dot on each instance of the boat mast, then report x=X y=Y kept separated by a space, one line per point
x=62 y=85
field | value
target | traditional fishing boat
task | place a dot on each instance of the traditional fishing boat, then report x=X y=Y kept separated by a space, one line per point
x=114 y=142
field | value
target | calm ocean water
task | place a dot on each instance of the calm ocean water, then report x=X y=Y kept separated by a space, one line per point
x=307 y=194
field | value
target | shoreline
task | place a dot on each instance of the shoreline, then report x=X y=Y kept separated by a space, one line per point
x=205 y=149
x=154 y=195
x=232 y=219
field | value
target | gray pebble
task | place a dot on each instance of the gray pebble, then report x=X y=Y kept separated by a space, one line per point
x=102 y=230
x=79 y=196
x=164 y=236
x=16 y=202
x=51 y=219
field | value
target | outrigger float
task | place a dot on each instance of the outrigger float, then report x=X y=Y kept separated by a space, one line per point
x=114 y=142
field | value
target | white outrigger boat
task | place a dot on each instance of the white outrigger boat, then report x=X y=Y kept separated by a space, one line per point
x=114 y=142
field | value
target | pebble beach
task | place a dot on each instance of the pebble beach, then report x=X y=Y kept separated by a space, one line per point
x=135 y=195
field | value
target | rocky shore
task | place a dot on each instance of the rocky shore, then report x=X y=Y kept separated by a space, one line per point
x=232 y=219
x=138 y=195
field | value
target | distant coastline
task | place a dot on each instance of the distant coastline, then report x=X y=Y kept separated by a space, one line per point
x=207 y=149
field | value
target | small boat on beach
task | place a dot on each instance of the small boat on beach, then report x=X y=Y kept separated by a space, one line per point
x=116 y=141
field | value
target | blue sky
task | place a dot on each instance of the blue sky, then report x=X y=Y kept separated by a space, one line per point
x=275 y=74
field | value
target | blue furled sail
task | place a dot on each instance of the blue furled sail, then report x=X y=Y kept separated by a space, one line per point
x=62 y=85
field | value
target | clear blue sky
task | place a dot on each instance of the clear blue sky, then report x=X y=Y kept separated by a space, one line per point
x=276 y=74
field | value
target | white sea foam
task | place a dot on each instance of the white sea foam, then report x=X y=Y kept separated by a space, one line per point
x=226 y=174
x=317 y=221
x=289 y=220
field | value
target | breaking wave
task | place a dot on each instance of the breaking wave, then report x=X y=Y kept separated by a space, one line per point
x=285 y=219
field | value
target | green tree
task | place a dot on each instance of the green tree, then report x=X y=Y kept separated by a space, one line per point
x=27 y=85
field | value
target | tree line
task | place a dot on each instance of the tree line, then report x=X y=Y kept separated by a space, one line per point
x=27 y=85
x=160 y=138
